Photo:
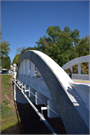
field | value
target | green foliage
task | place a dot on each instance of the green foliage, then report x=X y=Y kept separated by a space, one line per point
x=58 y=44
x=6 y=111
x=67 y=30
x=20 y=51
x=5 y=62
x=5 y=102
x=61 y=46
x=5 y=59
x=83 y=47
x=8 y=116
x=6 y=78
x=5 y=92
x=16 y=59
x=5 y=49
x=6 y=85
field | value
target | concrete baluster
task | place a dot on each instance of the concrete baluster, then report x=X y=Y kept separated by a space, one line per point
x=14 y=66
x=43 y=99
x=52 y=109
x=27 y=70
x=21 y=72
x=32 y=72
x=79 y=70
x=29 y=67
x=14 y=92
x=71 y=69
x=38 y=73
x=15 y=72
x=89 y=70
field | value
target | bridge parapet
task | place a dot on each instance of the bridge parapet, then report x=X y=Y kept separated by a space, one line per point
x=83 y=91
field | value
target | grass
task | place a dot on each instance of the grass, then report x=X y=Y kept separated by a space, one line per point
x=6 y=81
x=8 y=116
x=6 y=78
x=5 y=92
x=5 y=102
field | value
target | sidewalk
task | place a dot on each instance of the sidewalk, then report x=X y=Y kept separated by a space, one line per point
x=81 y=81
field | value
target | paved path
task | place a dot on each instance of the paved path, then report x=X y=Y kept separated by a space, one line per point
x=81 y=81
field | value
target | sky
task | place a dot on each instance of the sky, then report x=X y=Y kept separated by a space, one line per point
x=24 y=22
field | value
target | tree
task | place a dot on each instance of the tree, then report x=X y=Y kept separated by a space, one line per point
x=57 y=44
x=67 y=30
x=83 y=47
x=53 y=32
x=20 y=51
x=16 y=59
x=75 y=36
x=5 y=62
x=5 y=49
x=5 y=59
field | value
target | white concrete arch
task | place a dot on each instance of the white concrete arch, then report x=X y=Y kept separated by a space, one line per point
x=78 y=61
x=64 y=96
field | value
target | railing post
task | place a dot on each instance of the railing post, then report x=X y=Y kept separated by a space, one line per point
x=79 y=70
x=32 y=72
x=14 y=92
x=14 y=66
x=15 y=72
x=89 y=69
x=71 y=69
x=27 y=70
x=38 y=73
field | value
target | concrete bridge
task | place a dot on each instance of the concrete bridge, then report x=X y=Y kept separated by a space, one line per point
x=78 y=61
x=62 y=97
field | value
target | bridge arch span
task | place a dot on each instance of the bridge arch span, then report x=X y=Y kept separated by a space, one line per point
x=58 y=83
x=78 y=61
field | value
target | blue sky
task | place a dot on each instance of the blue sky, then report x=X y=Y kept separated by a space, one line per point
x=24 y=22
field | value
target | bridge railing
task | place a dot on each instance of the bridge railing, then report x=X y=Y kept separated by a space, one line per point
x=83 y=91
x=80 y=76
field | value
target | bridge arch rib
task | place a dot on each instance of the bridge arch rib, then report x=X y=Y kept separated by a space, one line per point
x=58 y=83
x=78 y=61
